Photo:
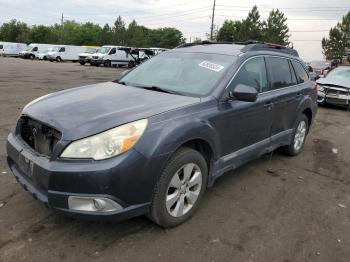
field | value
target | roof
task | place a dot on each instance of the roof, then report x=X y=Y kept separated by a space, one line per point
x=236 y=48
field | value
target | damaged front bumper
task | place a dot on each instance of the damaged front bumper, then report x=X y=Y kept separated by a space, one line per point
x=334 y=95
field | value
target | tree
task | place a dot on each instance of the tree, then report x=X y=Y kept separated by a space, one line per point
x=231 y=31
x=275 y=28
x=337 y=44
x=14 y=31
x=119 y=32
x=251 y=26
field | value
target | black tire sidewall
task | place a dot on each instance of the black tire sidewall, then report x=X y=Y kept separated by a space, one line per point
x=159 y=212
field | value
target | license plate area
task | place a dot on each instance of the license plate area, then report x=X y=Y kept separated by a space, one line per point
x=26 y=166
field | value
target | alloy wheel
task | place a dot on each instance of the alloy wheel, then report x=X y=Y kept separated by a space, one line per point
x=300 y=136
x=183 y=190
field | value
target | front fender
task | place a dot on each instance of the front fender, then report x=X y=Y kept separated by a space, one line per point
x=166 y=137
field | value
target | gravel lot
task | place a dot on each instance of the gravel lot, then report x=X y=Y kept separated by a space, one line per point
x=276 y=208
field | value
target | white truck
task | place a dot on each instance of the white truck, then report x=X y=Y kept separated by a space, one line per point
x=65 y=53
x=113 y=55
x=33 y=50
x=11 y=49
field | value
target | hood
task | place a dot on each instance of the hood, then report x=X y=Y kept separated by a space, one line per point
x=337 y=82
x=88 y=110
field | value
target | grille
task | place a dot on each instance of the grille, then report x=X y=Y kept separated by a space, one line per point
x=42 y=138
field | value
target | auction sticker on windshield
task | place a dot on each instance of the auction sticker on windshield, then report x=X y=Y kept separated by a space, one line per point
x=211 y=66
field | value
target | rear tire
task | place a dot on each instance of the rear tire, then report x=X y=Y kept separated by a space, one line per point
x=299 y=136
x=179 y=189
x=82 y=63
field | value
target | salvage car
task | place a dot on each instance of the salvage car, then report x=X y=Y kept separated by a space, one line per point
x=153 y=141
x=335 y=87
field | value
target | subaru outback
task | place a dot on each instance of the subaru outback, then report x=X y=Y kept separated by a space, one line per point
x=154 y=140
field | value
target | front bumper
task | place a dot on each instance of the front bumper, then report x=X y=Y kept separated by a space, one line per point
x=333 y=98
x=97 y=61
x=127 y=179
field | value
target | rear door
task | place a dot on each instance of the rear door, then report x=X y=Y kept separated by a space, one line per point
x=286 y=96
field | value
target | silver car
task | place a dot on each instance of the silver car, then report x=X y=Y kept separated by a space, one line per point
x=335 y=87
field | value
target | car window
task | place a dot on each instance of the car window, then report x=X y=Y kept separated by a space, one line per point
x=252 y=73
x=62 y=49
x=300 y=72
x=113 y=51
x=35 y=49
x=280 y=72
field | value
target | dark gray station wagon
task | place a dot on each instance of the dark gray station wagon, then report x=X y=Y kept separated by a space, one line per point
x=153 y=141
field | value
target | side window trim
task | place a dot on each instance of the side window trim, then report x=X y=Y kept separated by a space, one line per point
x=292 y=73
x=267 y=71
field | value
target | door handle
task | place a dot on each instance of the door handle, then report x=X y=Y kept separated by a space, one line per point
x=268 y=105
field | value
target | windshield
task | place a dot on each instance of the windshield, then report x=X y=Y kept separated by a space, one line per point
x=104 y=50
x=56 y=49
x=90 y=50
x=29 y=48
x=193 y=74
x=340 y=73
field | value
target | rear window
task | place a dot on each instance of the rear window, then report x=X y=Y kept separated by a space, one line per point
x=280 y=72
x=300 y=72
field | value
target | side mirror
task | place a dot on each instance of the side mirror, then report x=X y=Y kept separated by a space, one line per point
x=245 y=93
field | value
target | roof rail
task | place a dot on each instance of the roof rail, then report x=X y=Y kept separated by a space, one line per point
x=250 y=45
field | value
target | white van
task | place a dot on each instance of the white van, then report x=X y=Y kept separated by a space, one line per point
x=65 y=53
x=33 y=50
x=11 y=49
x=113 y=55
x=86 y=56
x=43 y=55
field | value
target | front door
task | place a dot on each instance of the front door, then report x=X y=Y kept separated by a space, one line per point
x=244 y=127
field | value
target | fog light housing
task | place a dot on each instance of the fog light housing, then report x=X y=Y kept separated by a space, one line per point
x=93 y=204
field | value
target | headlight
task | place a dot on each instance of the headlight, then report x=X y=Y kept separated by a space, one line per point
x=107 y=144
x=320 y=88
x=35 y=100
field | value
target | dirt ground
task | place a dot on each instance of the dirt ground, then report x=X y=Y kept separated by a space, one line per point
x=276 y=208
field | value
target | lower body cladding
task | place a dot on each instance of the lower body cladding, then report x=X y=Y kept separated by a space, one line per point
x=108 y=190
x=335 y=97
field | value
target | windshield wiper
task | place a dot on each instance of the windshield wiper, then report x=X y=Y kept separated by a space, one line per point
x=159 y=89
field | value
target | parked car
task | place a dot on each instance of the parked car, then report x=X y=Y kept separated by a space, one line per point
x=86 y=57
x=320 y=68
x=62 y=53
x=113 y=55
x=154 y=140
x=335 y=87
x=11 y=49
x=34 y=49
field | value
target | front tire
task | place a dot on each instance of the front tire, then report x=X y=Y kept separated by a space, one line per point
x=31 y=57
x=179 y=189
x=299 y=136
x=58 y=59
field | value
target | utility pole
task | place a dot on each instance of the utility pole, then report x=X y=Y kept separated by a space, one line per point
x=212 y=21
x=62 y=19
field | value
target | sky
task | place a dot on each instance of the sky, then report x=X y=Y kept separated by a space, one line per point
x=308 y=21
